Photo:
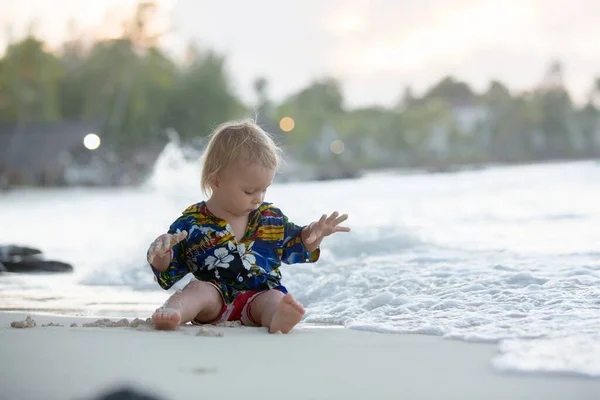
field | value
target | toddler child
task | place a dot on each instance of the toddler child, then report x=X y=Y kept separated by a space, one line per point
x=234 y=242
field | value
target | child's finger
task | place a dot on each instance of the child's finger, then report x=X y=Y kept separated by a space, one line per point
x=340 y=219
x=332 y=217
x=342 y=229
x=322 y=220
x=178 y=237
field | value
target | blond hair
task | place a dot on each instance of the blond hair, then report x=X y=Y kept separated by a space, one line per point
x=237 y=141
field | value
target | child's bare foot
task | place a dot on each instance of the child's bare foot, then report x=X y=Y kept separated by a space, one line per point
x=289 y=312
x=166 y=319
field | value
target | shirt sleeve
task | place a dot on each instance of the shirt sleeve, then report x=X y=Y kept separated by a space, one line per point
x=178 y=267
x=294 y=251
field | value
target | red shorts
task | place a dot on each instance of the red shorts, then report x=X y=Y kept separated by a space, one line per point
x=238 y=310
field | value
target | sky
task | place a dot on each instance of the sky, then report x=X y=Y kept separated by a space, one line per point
x=375 y=48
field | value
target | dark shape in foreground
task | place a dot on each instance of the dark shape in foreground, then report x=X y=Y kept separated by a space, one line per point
x=22 y=259
x=126 y=394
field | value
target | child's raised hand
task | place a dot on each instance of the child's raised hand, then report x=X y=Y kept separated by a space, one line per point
x=325 y=227
x=163 y=244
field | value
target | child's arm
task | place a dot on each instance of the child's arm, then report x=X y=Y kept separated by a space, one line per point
x=302 y=244
x=310 y=246
x=167 y=255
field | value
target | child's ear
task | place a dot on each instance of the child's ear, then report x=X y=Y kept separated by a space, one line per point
x=214 y=180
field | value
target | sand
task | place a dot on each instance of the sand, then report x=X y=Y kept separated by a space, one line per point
x=72 y=361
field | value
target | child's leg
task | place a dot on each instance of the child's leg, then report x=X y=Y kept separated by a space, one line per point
x=276 y=311
x=198 y=300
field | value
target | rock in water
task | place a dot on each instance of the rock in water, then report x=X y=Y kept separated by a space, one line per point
x=27 y=259
x=10 y=251
x=37 y=266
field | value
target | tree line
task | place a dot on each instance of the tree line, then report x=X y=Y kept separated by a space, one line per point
x=136 y=92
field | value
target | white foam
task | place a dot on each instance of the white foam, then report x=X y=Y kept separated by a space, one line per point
x=176 y=169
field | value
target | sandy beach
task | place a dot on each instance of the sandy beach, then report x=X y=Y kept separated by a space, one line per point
x=63 y=362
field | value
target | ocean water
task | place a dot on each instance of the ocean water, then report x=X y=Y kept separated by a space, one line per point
x=507 y=255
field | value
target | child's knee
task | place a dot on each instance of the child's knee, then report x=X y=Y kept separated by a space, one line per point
x=197 y=285
x=209 y=292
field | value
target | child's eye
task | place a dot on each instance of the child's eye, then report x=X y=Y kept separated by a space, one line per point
x=248 y=193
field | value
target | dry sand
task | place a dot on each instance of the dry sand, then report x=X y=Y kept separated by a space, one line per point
x=76 y=362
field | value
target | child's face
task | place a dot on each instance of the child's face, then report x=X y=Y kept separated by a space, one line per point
x=241 y=188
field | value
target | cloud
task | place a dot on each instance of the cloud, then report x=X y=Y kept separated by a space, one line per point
x=416 y=44
x=271 y=38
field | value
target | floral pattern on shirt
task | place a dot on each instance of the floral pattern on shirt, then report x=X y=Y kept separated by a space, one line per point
x=212 y=253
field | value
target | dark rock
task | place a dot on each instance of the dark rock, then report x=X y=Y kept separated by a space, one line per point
x=37 y=266
x=11 y=251
x=27 y=259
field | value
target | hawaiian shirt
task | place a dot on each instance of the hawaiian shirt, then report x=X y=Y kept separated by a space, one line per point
x=211 y=252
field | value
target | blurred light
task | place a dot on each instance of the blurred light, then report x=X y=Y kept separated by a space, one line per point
x=337 y=147
x=287 y=124
x=91 y=141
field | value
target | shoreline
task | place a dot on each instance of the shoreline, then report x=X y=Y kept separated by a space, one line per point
x=61 y=362
x=433 y=168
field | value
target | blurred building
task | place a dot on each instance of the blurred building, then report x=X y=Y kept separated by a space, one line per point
x=48 y=154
